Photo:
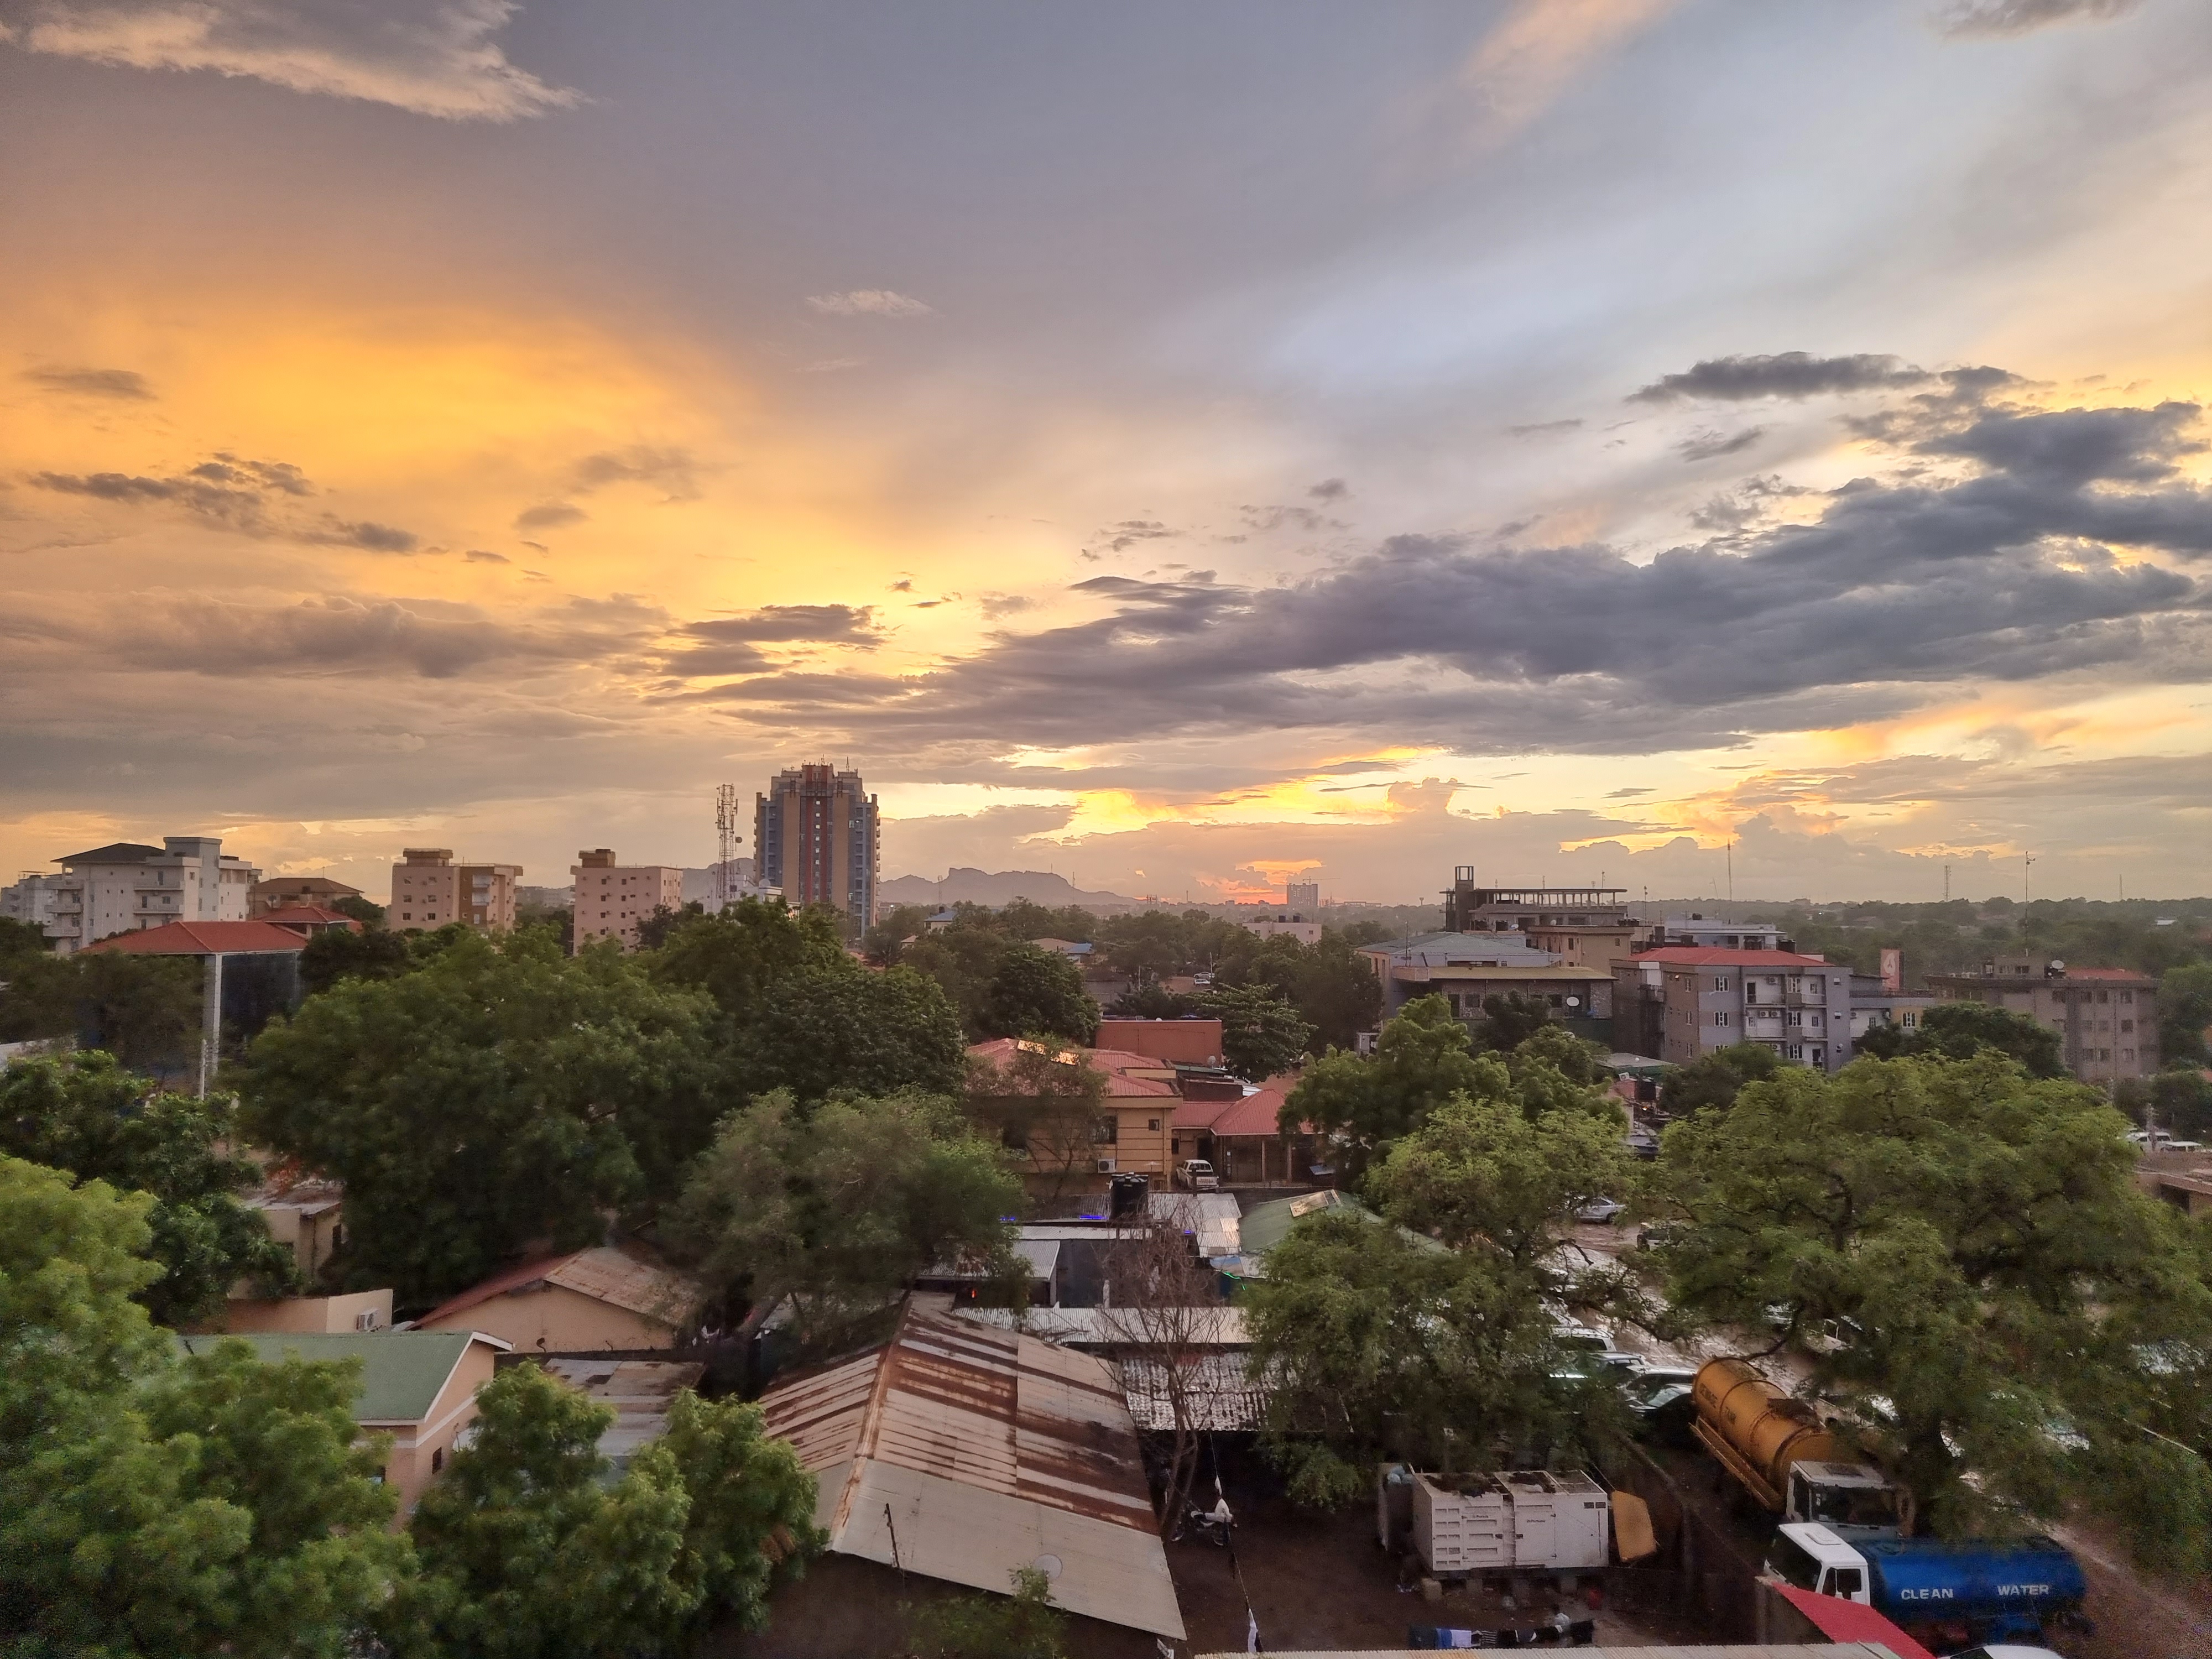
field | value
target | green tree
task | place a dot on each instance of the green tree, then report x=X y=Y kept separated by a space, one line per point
x=1979 y=1280
x=1037 y=990
x=1713 y=1079
x=143 y=1009
x=1483 y=1172
x=502 y=1094
x=1262 y=1035
x=2184 y=1013
x=532 y=1549
x=1330 y=984
x=1024 y=1625
x=85 y=1114
x=339 y=953
x=1422 y=1060
x=1378 y=1343
x=20 y=939
x=366 y=912
x=157 y=1505
x=1957 y=1030
x=1509 y=1020
x=840 y=1206
x=801 y=1014
x=652 y=930
x=883 y=943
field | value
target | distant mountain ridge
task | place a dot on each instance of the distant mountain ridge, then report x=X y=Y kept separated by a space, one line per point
x=965 y=885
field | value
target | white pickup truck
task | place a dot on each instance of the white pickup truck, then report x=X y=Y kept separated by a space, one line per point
x=1197 y=1174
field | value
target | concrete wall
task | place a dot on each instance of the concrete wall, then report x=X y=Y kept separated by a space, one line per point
x=323 y=1315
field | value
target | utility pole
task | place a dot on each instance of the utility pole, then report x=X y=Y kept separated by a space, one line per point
x=1946 y=883
x=2026 y=864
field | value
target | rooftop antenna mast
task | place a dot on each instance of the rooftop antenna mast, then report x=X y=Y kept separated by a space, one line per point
x=726 y=838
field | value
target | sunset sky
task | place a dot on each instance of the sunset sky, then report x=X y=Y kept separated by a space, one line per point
x=1173 y=445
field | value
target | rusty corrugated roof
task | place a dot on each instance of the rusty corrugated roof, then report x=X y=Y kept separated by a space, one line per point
x=963 y=1452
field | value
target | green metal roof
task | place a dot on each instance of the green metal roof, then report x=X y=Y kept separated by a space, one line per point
x=1266 y=1225
x=401 y=1371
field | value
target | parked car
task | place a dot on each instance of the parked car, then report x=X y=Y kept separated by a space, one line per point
x=1600 y=1210
x=1197 y=1174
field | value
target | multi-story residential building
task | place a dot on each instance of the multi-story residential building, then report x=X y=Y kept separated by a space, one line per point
x=127 y=886
x=814 y=836
x=1711 y=933
x=1875 y=1003
x=290 y=892
x=1283 y=924
x=1694 y=1000
x=1582 y=926
x=428 y=889
x=1304 y=897
x=30 y=899
x=2106 y=1017
x=612 y=899
x=1466 y=967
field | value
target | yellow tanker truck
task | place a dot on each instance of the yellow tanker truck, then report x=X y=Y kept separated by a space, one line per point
x=1779 y=1451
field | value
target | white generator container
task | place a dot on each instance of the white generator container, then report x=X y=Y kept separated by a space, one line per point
x=1521 y=1521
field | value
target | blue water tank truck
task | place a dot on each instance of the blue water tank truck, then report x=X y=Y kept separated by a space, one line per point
x=1982 y=1590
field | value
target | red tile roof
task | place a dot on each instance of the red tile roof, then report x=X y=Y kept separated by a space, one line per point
x=203 y=939
x=1714 y=956
x=1256 y=1113
x=2112 y=975
x=1117 y=1064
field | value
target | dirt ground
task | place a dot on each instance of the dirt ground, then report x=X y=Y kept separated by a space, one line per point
x=2136 y=1617
x=1321 y=1582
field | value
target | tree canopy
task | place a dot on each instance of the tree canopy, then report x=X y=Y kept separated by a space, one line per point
x=154 y=1504
x=1329 y=983
x=532 y=1549
x=840 y=1206
x=1422 y=1059
x=83 y=1113
x=1958 y=1030
x=1713 y=1079
x=2184 y=1014
x=1262 y=1036
x=143 y=1009
x=502 y=1094
x=800 y=1014
x=1964 y=1252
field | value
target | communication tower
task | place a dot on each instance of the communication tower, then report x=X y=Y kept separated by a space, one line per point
x=725 y=842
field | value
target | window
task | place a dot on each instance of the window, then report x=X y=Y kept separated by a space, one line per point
x=1720 y=1019
x=1106 y=1132
x=2128 y=997
x=437 y=1460
x=1720 y=983
x=2127 y=1026
x=2104 y=996
x=1151 y=1123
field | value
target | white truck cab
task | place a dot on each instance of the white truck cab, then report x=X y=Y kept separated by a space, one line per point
x=1852 y=1500
x=1198 y=1175
x=1814 y=1557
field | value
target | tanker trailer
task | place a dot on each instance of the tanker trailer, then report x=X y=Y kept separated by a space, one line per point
x=1978 y=1590
x=1780 y=1452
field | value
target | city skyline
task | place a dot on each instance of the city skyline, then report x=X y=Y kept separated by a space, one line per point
x=1657 y=440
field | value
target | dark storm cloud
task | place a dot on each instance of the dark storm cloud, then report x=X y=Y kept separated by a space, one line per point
x=1897 y=587
x=1120 y=537
x=1541 y=428
x=550 y=515
x=1706 y=446
x=821 y=625
x=1785 y=375
x=196 y=634
x=126 y=383
x=370 y=537
x=1999 y=17
x=673 y=470
x=1329 y=490
x=225 y=491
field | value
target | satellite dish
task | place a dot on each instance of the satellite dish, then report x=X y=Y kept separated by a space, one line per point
x=1574 y=1002
x=1049 y=1565
x=2057 y=966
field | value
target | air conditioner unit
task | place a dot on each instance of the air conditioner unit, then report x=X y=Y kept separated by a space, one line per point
x=1105 y=1166
x=367 y=1320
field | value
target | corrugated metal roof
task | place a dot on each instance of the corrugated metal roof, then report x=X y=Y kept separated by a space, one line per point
x=1220 y=1394
x=979 y=1450
x=603 y=1273
x=1214 y=1219
x=1221 y=1327
x=640 y=1391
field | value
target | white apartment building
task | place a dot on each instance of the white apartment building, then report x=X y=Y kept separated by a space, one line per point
x=127 y=885
x=612 y=898
x=30 y=900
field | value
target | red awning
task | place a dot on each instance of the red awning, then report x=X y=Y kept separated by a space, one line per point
x=1850 y=1621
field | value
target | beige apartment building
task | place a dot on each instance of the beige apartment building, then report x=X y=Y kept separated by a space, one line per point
x=2106 y=1017
x=428 y=889
x=610 y=899
x=815 y=836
